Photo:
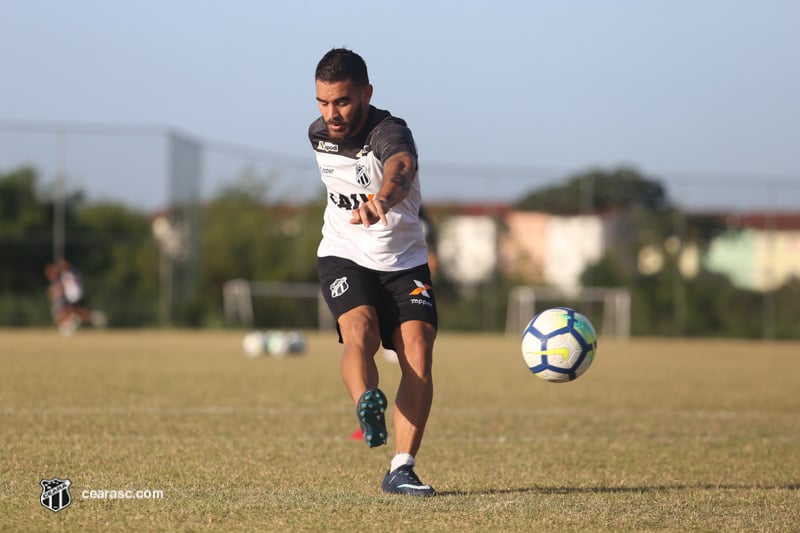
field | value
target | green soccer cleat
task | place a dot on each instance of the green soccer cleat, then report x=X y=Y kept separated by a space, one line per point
x=369 y=410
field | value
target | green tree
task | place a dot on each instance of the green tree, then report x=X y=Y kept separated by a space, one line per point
x=638 y=214
x=25 y=248
x=25 y=232
x=109 y=243
x=113 y=246
x=597 y=191
x=251 y=236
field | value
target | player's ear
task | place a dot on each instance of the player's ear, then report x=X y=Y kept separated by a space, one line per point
x=367 y=92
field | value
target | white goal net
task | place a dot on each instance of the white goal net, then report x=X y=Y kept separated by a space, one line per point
x=238 y=294
x=613 y=304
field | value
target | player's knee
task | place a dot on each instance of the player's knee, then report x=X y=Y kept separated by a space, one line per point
x=360 y=326
x=419 y=357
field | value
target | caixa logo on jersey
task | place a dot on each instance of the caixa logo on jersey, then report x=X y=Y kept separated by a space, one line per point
x=326 y=146
x=55 y=494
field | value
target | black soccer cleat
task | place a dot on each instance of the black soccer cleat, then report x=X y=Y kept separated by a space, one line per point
x=403 y=480
x=369 y=410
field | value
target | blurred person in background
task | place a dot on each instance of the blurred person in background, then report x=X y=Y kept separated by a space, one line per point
x=66 y=294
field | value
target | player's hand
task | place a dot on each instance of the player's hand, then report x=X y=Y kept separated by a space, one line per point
x=370 y=212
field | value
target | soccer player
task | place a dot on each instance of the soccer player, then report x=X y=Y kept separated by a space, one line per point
x=372 y=258
x=67 y=298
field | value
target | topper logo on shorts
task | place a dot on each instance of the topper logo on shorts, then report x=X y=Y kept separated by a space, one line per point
x=421 y=290
x=339 y=287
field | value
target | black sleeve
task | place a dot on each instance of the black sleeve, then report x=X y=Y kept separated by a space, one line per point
x=391 y=137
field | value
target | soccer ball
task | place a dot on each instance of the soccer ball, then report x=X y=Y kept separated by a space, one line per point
x=559 y=344
x=277 y=343
x=253 y=344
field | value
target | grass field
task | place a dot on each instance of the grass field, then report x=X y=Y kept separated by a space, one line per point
x=659 y=435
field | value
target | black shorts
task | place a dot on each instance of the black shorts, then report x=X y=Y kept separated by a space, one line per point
x=397 y=296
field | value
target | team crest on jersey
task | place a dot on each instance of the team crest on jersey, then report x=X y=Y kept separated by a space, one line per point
x=326 y=146
x=361 y=174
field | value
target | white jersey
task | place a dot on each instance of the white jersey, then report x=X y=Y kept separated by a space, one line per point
x=352 y=171
x=71 y=286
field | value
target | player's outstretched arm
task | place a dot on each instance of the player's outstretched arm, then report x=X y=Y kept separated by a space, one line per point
x=398 y=175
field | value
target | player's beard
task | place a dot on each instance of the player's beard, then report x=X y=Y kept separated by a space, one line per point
x=355 y=120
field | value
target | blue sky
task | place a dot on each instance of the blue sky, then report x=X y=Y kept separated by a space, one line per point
x=500 y=95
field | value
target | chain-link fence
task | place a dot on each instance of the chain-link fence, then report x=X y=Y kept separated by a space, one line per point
x=723 y=257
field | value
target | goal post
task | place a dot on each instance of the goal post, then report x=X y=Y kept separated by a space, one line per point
x=238 y=294
x=615 y=302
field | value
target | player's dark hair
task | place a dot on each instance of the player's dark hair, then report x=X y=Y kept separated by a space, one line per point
x=341 y=64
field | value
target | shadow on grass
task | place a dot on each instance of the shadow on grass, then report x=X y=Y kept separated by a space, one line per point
x=613 y=490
